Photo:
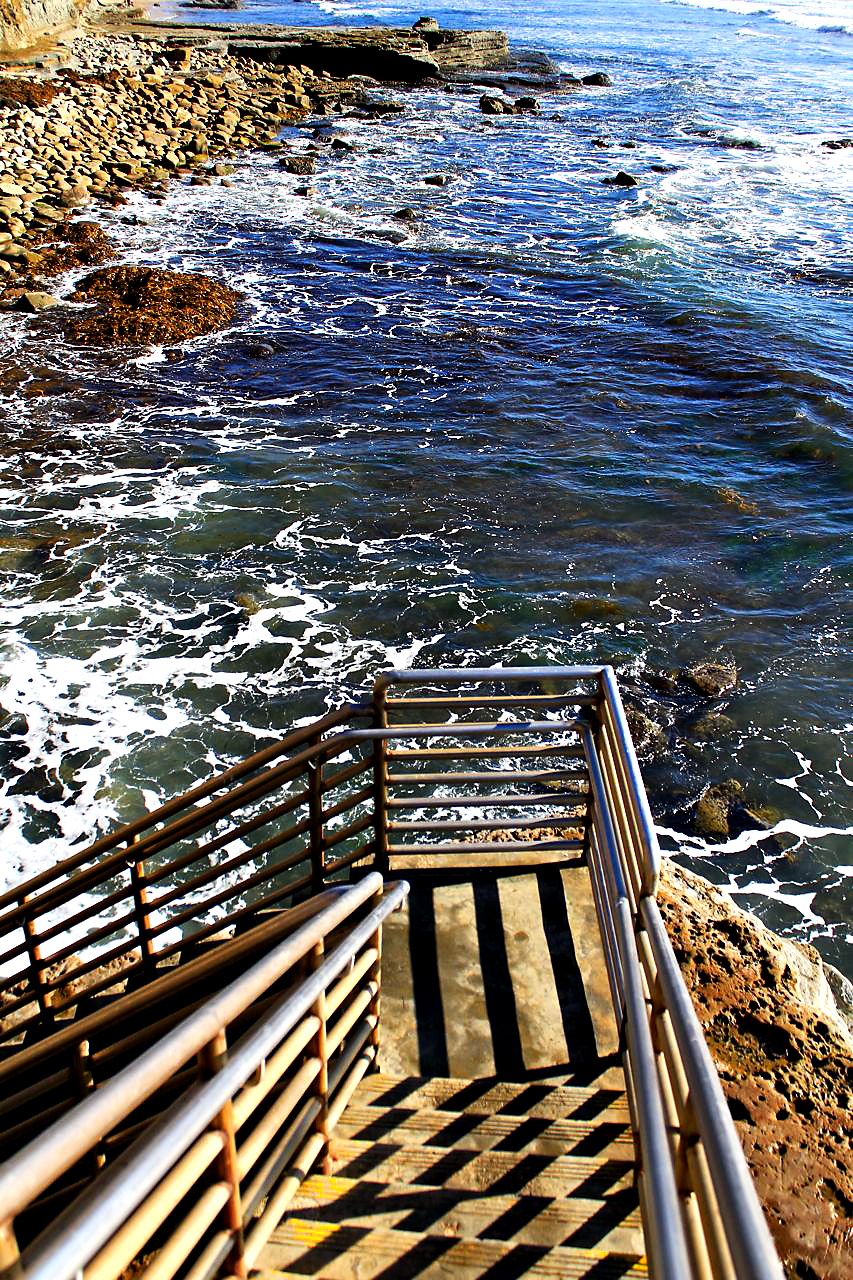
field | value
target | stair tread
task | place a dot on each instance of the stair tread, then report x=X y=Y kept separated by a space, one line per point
x=491 y=1097
x=472 y=1131
x=528 y=1173
x=301 y=1246
x=542 y=1220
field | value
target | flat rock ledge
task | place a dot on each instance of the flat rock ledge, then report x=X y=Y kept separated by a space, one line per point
x=784 y=1052
x=390 y=54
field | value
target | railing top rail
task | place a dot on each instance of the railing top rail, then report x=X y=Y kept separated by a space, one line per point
x=49 y=1155
x=458 y=675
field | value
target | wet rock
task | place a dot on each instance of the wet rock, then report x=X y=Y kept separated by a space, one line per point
x=648 y=737
x=405 y=215
x=305 y=191
x=785 y=1057
x=36 y=301
x=437 y=179
x=149 y=305
x=258 y=351
x=711 y=725
x=221 y=170
x=712 y=679
x=628 y=146
x=620 y=179
x=597 y=79
x=714 y=806
x=425 y=24
x=492 y=105
x=837 y=144
x=304 y=166
x=601 y=143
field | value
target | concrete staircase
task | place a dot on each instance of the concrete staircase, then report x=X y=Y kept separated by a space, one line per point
x=469 y=1178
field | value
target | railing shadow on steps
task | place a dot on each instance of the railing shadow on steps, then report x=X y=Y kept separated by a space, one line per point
x=325 y=801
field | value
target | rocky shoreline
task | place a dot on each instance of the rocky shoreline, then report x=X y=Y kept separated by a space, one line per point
x=777 y=1021
x=144 y=106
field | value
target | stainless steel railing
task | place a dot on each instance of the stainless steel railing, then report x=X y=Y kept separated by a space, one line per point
x=440 y=764
x=211 y=1175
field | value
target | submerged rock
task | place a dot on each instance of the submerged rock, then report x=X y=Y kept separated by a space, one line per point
x=597 y=80
x=785 y=1058
x=149 y=305
x=648 y=737
x=712 y=678
x=711 y=725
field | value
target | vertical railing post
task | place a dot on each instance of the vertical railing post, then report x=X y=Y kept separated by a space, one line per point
x=36 y=963
x=380 y=783
x=315 y=819
x=374 y=974
x=139 y=890
x=318 y=1049
x=10 y=1254
x=84 y=1081
x=211 y=1060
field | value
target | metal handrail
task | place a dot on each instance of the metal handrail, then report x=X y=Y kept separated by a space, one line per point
x=731 y=1194
x=90 y=1221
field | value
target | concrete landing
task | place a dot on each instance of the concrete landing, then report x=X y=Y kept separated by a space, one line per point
x=497 y=972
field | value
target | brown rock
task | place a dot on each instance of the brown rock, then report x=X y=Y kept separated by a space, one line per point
x=149 y=305
x=712 y=678
x=714 y=807
x=785 y=1057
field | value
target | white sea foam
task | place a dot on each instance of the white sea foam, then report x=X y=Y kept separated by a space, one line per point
x=829 y=16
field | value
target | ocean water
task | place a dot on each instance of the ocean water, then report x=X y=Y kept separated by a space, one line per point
x=561 y=422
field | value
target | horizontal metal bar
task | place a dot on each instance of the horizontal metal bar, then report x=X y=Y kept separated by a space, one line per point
x=500 y=700
x=493 y=776
x=475 y=729
x=491 y=824
x=481 y=802
x=488 y=846
x=476 y=753
x=458 y=675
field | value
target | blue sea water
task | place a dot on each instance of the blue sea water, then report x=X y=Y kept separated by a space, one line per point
x=561 y=422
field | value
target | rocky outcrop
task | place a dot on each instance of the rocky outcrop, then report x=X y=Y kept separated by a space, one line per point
x=785 y=1058
x=149 y=305
x=390 y=54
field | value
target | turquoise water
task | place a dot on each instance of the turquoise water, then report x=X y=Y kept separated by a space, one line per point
x=562 y=422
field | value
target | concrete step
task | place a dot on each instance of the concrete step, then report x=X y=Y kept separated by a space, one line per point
x=470 y=1131
x=336 y=1252
x=498 y=1172
x=611 y=1225
x=494 y=1097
